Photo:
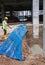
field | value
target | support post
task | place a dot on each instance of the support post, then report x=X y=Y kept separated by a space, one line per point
x=2 y=10
x=36 y=18
x=44 y=26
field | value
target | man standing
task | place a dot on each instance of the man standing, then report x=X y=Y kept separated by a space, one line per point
x=5 y=26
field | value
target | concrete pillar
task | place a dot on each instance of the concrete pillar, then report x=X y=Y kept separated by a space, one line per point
x=36 y=18
x=2 y=10
x=44 y=26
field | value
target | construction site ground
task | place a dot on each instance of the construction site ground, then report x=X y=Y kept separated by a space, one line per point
x=29 y=58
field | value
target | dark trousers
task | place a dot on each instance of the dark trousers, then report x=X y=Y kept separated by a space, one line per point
x=5 y=32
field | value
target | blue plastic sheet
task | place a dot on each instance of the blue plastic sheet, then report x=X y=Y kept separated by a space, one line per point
x=12 y=46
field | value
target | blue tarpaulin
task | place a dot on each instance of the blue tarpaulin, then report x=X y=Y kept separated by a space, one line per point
x=12 y=46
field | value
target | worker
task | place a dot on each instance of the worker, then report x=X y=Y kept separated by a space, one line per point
x=5 y=26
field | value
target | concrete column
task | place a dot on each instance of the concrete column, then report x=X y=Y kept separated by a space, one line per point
x=44 y=26
x=36 y=18
x=2 y=10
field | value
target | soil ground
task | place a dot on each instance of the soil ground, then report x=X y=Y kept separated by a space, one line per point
x=29 y=58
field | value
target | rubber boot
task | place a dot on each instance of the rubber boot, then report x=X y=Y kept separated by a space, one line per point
x=5 y=36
